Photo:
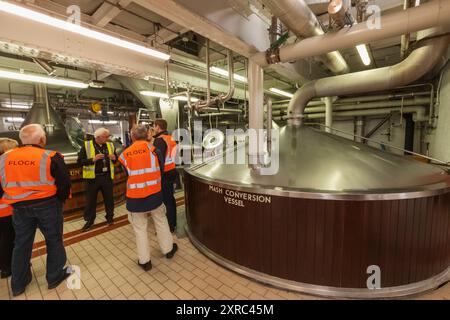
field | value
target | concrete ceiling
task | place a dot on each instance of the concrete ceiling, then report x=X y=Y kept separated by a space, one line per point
x=238 y=24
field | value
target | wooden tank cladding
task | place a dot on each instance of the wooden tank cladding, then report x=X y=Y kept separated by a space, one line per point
x=74 y=207
x=324 y=242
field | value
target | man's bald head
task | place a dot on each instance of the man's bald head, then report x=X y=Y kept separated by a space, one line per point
x=33 y=134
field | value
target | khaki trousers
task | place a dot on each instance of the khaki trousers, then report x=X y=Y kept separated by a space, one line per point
x=139 y=221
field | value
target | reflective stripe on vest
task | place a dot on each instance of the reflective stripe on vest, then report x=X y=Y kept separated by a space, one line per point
x=89 y=171
x=26 y=190
x=5 y=210
x=169 y=162
x=144 y=175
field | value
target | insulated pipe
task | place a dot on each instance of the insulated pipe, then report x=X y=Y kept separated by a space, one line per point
x=373 y=105
x=279 y=103
x=432 y=14
x=419 y=112
x=328 y=113
x=298 y=17
x=418 y=63
x=404 y=42
x=256 y=111
x=365 y=106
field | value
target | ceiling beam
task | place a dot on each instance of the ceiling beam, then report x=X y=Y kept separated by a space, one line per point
x=168 y=33
x=186 y=18
x=107 y=12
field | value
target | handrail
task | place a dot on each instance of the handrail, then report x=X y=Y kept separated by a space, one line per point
x=381 y=143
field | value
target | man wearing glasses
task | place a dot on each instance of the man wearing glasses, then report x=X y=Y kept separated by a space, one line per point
x=98 y=158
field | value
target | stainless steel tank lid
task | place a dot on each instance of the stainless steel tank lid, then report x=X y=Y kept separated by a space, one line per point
x=315 y=164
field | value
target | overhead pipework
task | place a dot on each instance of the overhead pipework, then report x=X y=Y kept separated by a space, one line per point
x=421 y=60
x=429 y=15
x=339 y=15
x=221 y=98
x=298 y=17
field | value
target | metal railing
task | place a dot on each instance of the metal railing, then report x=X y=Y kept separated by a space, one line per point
x=380 y=143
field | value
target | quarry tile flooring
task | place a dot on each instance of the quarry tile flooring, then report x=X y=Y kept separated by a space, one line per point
x=109 y=271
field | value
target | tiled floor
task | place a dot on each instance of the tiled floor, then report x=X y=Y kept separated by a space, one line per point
x=109 y=271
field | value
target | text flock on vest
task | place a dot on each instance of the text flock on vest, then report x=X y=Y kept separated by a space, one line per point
x=22 y=163
x=134 y=152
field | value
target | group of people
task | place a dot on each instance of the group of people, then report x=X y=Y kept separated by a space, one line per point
x=34 y=184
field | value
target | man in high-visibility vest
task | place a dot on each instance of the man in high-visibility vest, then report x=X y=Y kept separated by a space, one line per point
x=6 y=226
x=98 y=157
x=142 y=163
x=36 y=183
x=168 y=147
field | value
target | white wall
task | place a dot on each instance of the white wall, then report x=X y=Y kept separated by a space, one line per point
x=397 y=131
x=440 y=140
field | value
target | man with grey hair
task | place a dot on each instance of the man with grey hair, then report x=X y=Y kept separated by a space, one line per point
x=144 y=197
x=98 y=157
x=36 y=183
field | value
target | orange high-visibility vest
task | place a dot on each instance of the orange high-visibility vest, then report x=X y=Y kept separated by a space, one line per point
x=169 y=163
x=142 y=165
x=25 y=174
x=5 y=209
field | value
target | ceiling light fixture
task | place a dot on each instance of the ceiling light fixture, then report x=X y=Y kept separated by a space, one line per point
x=363 y=54
x=156 y=94
x=74 y=28
x=42 y=79
x=224 y=73
x=281 y=92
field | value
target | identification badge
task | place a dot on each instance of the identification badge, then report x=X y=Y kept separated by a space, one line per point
x=105 y=169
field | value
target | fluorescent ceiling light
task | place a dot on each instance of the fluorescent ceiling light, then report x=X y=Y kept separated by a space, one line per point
x=102 y=122
x=364 y=54
x=17 y=106
x=42 y=79
x=14 y=119
x=224 y=73
x=281 y=92
x=164 y=96
x=74 y=28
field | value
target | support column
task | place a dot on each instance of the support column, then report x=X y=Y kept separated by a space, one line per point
x=256 y=113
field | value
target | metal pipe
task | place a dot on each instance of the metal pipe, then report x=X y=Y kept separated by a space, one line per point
x=166 y=78
x=392 y=146
x=256 y=111
x=418 y=110
x=429 y=15
x=298 y=17
x=269 y=126
x=328 y=113
x=221 y=97
x=372 y=105
x=420 y=114
x=276 y=104
x=224 y=110
x=418 y=63
x=231 y=87
x=404 y=42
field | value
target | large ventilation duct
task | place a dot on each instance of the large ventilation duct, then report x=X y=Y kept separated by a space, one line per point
x=419 y=62
x=428 y=15
x=298 y=17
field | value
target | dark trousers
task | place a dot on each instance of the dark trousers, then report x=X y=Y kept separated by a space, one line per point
x=169 y=199
x=105 y=184
x=6 y=243
x=47 y=215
